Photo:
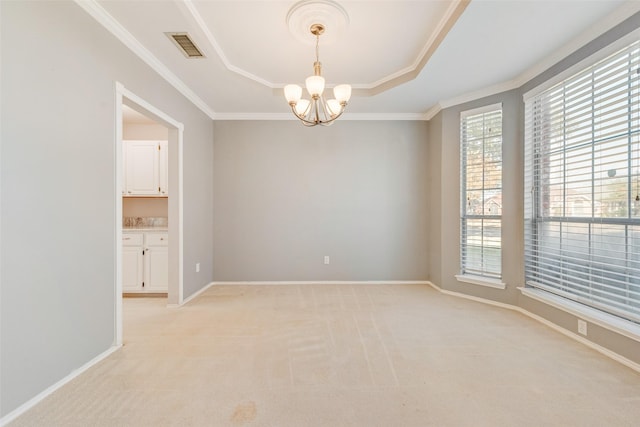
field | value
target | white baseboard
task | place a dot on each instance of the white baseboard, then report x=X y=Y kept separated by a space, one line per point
x=302 y=282
x=194 y=295
x=49 y=390
x=327 y=282
x=602 y=350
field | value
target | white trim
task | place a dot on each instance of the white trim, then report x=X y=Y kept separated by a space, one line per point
x=346 y=116
x=585 y=63
x=481 y=93
x=219 y=52
x=582 y=340
x=481 y=281
x=431 y=112
x=162 y=117
x=118 y=166
x=121 y=33
x=325 y=282
x=597 y=317
x=180 y=128
x=449 y=19
x=480 y=110
x=51 y=389
x=625 y=11
x=602 y=350
x=473 y=298
x=302 y=282
x=196 y=294
x=442 y=28
x=147 y=106
x=382 y=116
x=628 y=9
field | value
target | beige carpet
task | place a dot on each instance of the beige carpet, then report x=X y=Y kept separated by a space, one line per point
x=341 y=356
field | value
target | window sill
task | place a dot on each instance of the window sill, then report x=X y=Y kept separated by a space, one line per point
x=481 y=281
x=597 y=317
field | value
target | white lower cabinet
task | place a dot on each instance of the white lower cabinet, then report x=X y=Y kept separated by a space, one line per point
x=156 y=262
x=145 y=262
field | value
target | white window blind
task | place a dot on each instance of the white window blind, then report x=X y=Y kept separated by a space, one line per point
x=582 y=186
x=481 y=192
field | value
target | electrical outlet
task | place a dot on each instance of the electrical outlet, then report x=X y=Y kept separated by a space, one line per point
x=582 y=327
x=326 y=260
x=197 y=267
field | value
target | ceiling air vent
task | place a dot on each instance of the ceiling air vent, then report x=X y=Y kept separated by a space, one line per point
x=186 y=45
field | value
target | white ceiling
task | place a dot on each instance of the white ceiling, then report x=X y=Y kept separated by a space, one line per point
x=405 y=59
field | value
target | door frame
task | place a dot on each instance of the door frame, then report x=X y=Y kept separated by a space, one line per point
x=175 y=295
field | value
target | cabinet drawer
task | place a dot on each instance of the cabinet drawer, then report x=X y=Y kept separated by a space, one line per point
x=132 y=239
x=157 y=239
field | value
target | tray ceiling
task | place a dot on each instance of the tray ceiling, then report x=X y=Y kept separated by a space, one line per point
x=404 y=58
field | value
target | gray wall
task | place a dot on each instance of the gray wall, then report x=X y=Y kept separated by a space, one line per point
x=444 y=141
x=144 y=131
x=286 y=195
x=447 y=144
x=435 y=195
x=58 y=194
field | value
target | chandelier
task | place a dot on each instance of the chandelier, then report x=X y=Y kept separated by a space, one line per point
x=318 y=110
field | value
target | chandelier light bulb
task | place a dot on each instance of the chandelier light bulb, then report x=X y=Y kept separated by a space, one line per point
x=302 y=106
x=315 y=85
x=334 y=107
x=293 y=93
x=342 y=93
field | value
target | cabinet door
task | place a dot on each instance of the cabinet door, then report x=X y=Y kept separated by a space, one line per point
x=132 y=269
x=142 y=166
x=156 y=260
x=164 y=168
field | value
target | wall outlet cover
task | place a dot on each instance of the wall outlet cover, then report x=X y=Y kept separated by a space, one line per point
x=582 y=327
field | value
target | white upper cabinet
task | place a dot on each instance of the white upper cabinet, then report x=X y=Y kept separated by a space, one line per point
x=145 y=167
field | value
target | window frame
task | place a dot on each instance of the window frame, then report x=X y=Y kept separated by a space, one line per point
x=538 y=216
x=479 y=276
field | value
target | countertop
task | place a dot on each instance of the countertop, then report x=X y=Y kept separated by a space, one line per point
x=132 y=229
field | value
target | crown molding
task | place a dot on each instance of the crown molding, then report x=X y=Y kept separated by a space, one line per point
x=92 y=7
x=191 y=8
x=114 y=27
x=346 y=117
x=403 y=75
x=626 y=10
x=431 y=112
x=409 y=73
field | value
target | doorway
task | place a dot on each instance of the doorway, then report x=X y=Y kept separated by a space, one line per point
x=126 y=99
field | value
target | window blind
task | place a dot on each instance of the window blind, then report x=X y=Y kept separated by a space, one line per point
x=582 y=186
x=481 y=192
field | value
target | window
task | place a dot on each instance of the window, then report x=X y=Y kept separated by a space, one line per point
x=582 y=175
x=481 y=192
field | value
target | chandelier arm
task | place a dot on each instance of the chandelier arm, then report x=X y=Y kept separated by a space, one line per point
x=317 y=104
x=329 y=122
x=326 y=112
x=303 y=118
x=310 y=123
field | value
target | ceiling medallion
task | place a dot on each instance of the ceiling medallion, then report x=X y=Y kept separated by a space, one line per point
x=328 y=13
